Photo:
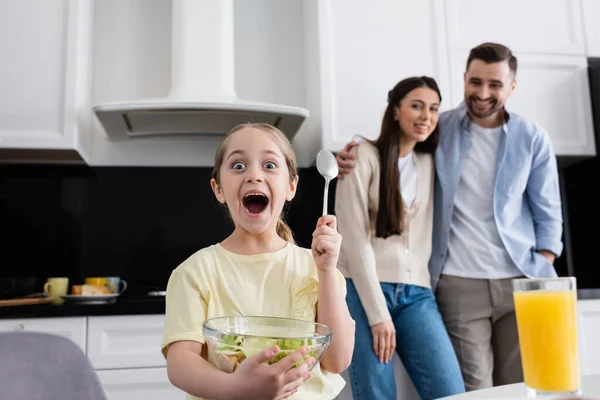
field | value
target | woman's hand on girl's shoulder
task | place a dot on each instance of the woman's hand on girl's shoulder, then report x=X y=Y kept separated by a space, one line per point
x=256 y=380
x=326 y=243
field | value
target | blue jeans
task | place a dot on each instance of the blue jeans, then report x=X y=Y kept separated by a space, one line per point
x=422 y=343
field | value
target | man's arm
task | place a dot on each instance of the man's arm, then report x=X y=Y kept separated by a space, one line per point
x=543 y=192
x=345 y=159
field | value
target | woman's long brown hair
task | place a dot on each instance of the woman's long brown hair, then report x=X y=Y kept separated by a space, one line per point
x=390 y=216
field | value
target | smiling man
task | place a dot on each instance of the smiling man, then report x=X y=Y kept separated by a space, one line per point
x=497 y=216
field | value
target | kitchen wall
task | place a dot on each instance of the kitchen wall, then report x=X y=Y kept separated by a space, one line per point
x=140 y=223
x=337 y=58
x=583 y=219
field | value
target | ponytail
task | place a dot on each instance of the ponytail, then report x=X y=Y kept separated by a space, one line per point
x=284 y=231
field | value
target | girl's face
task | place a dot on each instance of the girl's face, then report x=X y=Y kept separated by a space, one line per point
x=417 y=114
x=254 y=180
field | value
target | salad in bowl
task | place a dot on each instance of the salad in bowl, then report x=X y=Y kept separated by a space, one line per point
x=230 y=340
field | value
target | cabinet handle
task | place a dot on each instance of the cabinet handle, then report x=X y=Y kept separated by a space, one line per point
x=19 y=327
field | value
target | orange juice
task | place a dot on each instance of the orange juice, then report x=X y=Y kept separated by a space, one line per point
x=547 y=324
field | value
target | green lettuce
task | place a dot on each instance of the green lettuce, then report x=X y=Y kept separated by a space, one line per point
x=240 y=347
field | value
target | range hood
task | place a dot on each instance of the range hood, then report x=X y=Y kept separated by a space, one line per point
x=202 y=101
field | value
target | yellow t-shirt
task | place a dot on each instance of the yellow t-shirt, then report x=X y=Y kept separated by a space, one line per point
x=215 y=282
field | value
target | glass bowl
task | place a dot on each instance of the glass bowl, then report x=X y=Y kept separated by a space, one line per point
x=230 y=340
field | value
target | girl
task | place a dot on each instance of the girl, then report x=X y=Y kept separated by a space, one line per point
x=258 y=270
x=385 y=211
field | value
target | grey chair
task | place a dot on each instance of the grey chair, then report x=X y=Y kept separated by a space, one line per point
x=40 y=366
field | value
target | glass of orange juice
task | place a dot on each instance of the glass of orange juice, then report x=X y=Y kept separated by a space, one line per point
x=546 y=311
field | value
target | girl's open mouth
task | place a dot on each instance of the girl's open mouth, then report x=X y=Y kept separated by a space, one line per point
x=255 y=203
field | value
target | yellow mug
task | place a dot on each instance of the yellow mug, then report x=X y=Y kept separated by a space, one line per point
x=100 y=282
x=56 y=287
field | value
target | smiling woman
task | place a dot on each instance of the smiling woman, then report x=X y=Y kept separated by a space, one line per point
x=385 y=211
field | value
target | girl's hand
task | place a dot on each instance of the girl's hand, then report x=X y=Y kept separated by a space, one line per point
x=326 y=243
x=258 y=381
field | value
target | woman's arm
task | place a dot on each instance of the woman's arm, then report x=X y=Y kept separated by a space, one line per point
x=352 y=211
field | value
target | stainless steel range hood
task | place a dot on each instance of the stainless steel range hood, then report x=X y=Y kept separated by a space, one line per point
x=202 y=101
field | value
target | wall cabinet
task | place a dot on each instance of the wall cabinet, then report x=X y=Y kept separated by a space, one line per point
x=366 y=51
x=533 y=26
x=553 y=92
x=337 y=58
x=44 y=102
x=591 y=11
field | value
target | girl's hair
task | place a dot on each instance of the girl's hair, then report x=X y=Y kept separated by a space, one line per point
x=390 y=217
x=283 y=230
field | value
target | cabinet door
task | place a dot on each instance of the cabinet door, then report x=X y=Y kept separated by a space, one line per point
x=44 y=74
x=131 y=341
x=139 y=384
x=591 y=12
x=553 y=92
x=73 y=328
x=589 y=332
x=364 y=51
x=532 y=26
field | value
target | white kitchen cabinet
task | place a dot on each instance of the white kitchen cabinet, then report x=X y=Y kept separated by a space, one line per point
x=124 y=351
x=133 y=341
x=591 y=13
x=336 y=58
x=137 y=374
x=552 y=91
x=589 y=334
x=73 y=328
x=365 y=51
x=532 y=26
x=139 y=384
x=44 y=76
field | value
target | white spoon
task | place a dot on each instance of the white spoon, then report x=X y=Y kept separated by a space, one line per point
x=328 y=168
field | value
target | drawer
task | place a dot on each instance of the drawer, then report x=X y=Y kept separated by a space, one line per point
x=73 y=328
x=138 y=384
x=131 y=341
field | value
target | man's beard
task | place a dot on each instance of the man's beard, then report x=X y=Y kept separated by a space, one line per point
x=494 y=108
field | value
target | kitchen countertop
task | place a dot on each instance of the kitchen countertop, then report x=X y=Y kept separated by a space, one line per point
x=518 y=391
x=125 y=306
x=588 y=294
x=146 y=305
